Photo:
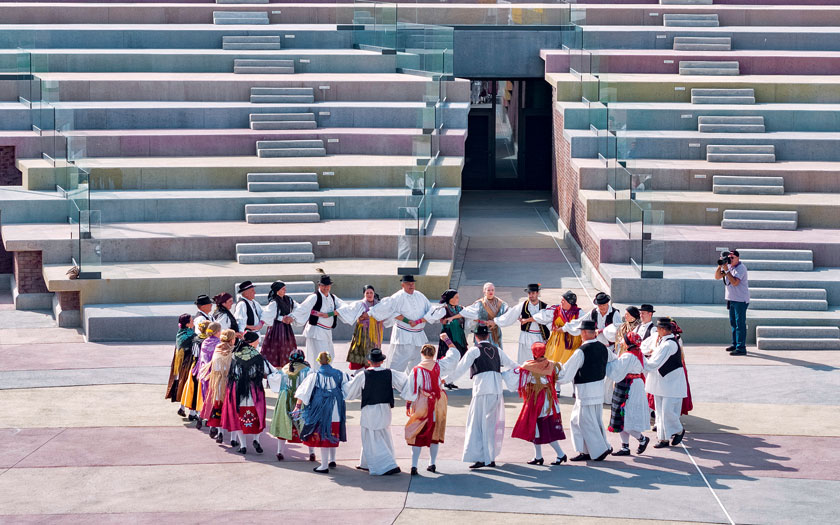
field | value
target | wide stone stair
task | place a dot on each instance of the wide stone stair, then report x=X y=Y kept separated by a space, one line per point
x=690 y=20
x=759 y=220
x=240 y=18
x=740 y=153
x=251 y=42
x=722 y=96
x=778 y=259
x=710 y=68
x=251 y=66
x=282 y=121
x=274 y=252
x=742 y=185
x=798 y=337
x=258 y=182
x=272 y=95
x=730 y=124
x=811 y=299
x=291 y=148
x=685 y=2
x=281 y=213
x=702 y=43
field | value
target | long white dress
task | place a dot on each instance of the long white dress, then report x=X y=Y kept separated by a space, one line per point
x=533 y=334
x=377 y=446
x=486 y=416
x=406 y=340
x=318 y=336
x=668 y=391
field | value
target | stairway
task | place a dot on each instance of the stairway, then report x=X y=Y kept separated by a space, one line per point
x=740 y=153
x=240 y=18
x=282 y=182
x=250 y=42
x=759 y=220
x=709 y=68
x=291 y=148
x=281 y=213
x=739 y=185
x=722 y=96
x=251 y=66
x=733 y=124
x=798 y=299
x=297 y=290
x=244 y=1
x=683 y=2
x=779 y=260
x=690 y=20
x=274 y=252
x=269 y=95
x=283 y=121
x=702 y=43
x=797 y=337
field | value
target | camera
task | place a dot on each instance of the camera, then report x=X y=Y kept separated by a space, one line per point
x=724 y=259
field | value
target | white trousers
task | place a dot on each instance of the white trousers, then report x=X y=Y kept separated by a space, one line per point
x=485 y=428
x=526 y=339
x=404 y=357
x=315 y=347
x=667 y=416
x=377 y=451
x=588 y=433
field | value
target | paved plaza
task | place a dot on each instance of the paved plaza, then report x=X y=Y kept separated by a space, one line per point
x=87 y=437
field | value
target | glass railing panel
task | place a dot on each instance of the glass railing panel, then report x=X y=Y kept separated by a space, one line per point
x=408 y=240
x=90 y=240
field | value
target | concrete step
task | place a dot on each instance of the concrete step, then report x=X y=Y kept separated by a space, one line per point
x=282 y=182
x=730 y=124
x=680 y=2
x=711 y=68
x=273 y=117
x=240 y=18
x=722 y=96
x=781 y=265
x=291 y=148
x=810 y=305
x=267 y=95
x=281 y=213
x=799 y=332
x=297 y=290
x=251 y=42
x=292 y=144
x=728 y=184
x=690 y=20
x=785 y=343
x=298 y=207
x=813 y=294
x=740 y=153
x=759 y=220
x=284 y=124
x=296 y=91
x=702 y=43
x=267 y=66
x=756 y=255
x=274 y=252
x=274 y=258
x=273 y=247
x=241 y=1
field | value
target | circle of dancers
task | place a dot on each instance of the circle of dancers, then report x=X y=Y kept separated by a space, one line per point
x=625 y=359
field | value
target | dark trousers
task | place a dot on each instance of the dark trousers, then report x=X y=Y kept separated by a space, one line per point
x=738 y=322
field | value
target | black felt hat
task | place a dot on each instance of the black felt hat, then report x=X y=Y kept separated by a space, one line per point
x=534 y=287
x=482 y=330
x=602 y=298
x=245 y=285
x=202 y=300
x=588 y=324
x=570 y=297
x=665 y=322
x=407 y=279
x=646 y=308
x=325 y=280
x=376 y=356
x=632 y=310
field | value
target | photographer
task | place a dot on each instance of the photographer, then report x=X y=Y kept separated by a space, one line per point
x=734 y=275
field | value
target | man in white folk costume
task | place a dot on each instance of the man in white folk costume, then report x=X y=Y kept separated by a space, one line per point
x=533 y=318
x=485 y=311
x=248 y=312
x=666 y=382
x=319 y=312
x=486 y=415
x=587 y=369
x=409 y=310
x=647 y=328
x=205 y=307
x=375 y=388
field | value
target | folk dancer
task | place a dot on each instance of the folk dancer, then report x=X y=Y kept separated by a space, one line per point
x=248 y=312
x=646 y=327
x=426 y=403
x=629 y=412
x=213 y=332
x=561 y=345
x=223 y=315
x=452 y=326
x=181 y=359
x=279 y=341
x=319 y=312
x=375 y=386
x=367 y=332
x=325 y=412
x=285 y=428
x=666 y=380
x=486 y=415
x=587 y=369
x=190 y=395
x=539 y=421
x=205 y=309
x=531 y=323
x=216 y=373
x=408 y=310
x=485 y=311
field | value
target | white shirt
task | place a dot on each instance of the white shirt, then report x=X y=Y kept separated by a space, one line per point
x=378 y=416
x=240 y=312
x=269 y=315
x=201 y=316
x=484 y=382
x=673 y=384
x=512 y=315
x=413 y=307
x=588 y=393
x=323 y=329
x=648 y=342
x=307 y=387
x=419 y=380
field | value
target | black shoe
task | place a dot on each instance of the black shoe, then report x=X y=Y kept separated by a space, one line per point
x=536 y=461
x=395 y=470
x=431 y=468
x=478 y=464
x=280 y=456
x=234 y=443
x=451 y=386
x=676 y=439
x=492 y=464
x=662 y=444
x=359 y=467
x=560 y=461
x=332 y=464
x=243 y=450
x=625 y=451
x=730 y=348
x=199 y=424
x=653 y=428
x=319 y=471
x=220 y=438
x=739 y=352
x=181 y=412
x=214 y=432
x=581 y=457
x=643 y=445
x=311 y=457
x=192 y=417
x=414 y=471
x=603 y=456
x=258 y=447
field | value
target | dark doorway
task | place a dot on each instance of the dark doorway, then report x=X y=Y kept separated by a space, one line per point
x=509 y=141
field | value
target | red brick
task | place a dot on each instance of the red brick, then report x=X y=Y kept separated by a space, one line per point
x=69 y=300
x=29 y=272
x=9 y=174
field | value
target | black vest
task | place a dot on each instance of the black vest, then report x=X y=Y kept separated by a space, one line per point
x=594 y=367
x=284 y=307
x=251 y=315
x=199 y=316
x=488 y=360
x=526 y=314
x=378 y=388
x=674 y=362
x=227 y=313
x=609 y=317
x=648 y=332
x=313 y=319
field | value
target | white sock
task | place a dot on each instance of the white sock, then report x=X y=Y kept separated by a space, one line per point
x=325 y=459
x=311 y=450
x=281 y=444
x=433 y=449
x=557 y=449
x=332 y=453
x=636 y=434
x=537 y=451
x=415 y=456
x=193 y=412
x=256 y=438
x=625 y=437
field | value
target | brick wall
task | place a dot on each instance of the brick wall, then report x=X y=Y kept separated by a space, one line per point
x=565 y=192
x=69 y=301
x=7 y=264
x=29 y=273
x=9 y=174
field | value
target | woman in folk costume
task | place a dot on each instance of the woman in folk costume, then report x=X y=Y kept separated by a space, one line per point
x=485 y=310
x=367 y=332
x=539 y=420
x=222 y=313
x=687 y=404
x=615 y=335
x=283 y=427
x=207 y=348
x=279 y=340
x=181 y=359
x=560 y=345
x=192 y=390
x=629 y=414
x=452 y=326
x=215 y=374
x=426 y=403
x=243 y=411
x=325 y=414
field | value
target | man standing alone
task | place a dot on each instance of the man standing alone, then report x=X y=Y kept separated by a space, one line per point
x=734 y=275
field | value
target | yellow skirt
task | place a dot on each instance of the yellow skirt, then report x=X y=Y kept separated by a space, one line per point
x=555 y=347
